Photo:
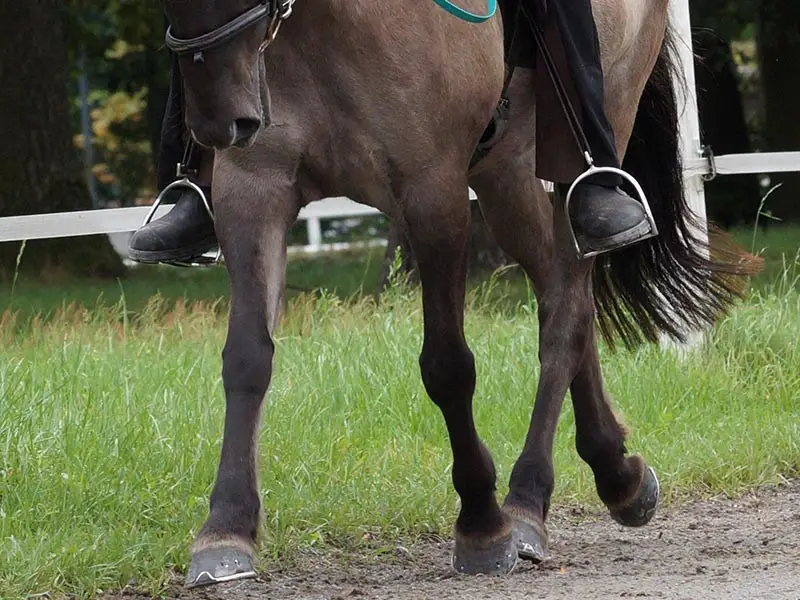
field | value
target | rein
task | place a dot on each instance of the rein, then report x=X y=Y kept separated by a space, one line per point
x=465 y=15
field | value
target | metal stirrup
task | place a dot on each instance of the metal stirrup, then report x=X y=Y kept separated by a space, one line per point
x=591 y=171
x=208 y=259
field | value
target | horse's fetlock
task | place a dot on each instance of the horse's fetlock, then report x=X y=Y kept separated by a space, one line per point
x=599 y=446
x=532 y=480
x=618 y=480
x=235 y=510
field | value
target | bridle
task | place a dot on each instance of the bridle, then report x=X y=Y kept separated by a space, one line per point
x=275 y=11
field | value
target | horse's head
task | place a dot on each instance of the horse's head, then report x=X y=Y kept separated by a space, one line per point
x=219 y=45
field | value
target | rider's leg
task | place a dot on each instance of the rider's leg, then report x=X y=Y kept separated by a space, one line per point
x=187 y=230
x=603 y=215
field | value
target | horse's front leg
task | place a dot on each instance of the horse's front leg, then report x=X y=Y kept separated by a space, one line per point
x=437 y=214
x=252 y=220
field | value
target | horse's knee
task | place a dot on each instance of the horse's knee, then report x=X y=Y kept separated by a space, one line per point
x=247 y=362
x=448 y=373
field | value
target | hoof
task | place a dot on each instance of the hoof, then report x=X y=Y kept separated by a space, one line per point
x=498 y=558
x=531 y=540
x=640 y=511
x=217 y=565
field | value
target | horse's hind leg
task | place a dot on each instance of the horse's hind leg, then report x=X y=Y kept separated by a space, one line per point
x=251 y=227
x=625 y=484
x=521 y=217
x=437 y=216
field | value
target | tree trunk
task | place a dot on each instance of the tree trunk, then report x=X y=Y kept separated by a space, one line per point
x=779 y=61
x=732 y=199
x=40 y=168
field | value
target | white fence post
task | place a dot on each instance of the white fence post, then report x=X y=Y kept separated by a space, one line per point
x=689 y=126
x=314 y=234
x=691 y=148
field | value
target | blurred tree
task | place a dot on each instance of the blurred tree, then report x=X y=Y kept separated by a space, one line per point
x=732 y=199
x=39 y=165
x=727 y=18
x=142 y=23
x=779 y=61
x=128 y=69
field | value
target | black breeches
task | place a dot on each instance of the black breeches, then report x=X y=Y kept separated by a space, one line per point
x=582 y=49
x=172 y=147
x=576 y=25
x=174 y=137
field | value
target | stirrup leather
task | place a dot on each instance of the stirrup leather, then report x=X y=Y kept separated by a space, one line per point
x=208 y=259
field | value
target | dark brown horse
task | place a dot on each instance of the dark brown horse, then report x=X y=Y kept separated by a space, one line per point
x=385 y=102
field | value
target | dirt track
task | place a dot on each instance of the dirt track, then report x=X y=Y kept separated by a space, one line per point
x=747 y=548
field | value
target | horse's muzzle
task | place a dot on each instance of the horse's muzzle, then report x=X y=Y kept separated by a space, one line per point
x=220 y=135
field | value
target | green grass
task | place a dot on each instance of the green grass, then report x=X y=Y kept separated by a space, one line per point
x=344 y=274
x=112 y=412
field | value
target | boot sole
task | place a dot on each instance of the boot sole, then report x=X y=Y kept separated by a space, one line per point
x=630 y=236
x=185 y=253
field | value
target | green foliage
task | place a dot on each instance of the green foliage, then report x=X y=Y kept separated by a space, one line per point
x=729 y=19
x=136 y=21
x=119 y=47
x=123 y=153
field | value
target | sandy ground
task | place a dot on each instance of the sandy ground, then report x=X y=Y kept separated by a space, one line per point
x=722 y=549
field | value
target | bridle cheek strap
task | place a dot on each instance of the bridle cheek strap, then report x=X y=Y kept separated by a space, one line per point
x=266 y=112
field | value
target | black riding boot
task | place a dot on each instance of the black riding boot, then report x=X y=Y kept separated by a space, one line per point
x=182 y=235
x=604 y=217
x=187 y=231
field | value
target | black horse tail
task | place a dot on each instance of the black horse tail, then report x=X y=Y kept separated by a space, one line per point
x=675 y=283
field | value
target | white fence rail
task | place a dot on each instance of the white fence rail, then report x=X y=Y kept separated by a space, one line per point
x=121 y=221
x=754 y=163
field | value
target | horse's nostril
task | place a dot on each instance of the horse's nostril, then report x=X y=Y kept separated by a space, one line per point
x=246 y=128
